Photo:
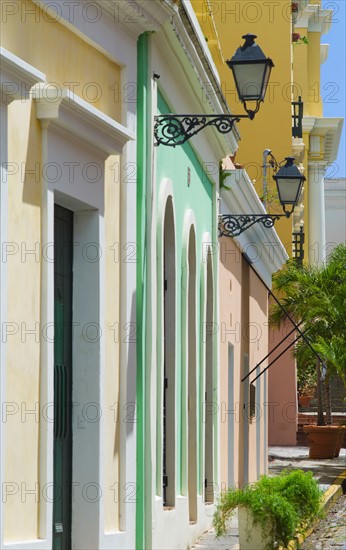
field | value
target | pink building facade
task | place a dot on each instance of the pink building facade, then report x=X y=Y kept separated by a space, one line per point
x=246 y=266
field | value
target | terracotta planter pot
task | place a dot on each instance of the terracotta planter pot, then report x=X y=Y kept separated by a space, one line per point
x=304 y=400
x=340 y=440
x=323 y=440
x=251 y=534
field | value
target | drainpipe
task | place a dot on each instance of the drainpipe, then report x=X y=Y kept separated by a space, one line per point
x=266 y=152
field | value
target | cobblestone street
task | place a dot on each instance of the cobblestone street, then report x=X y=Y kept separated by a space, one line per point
x=331 y=532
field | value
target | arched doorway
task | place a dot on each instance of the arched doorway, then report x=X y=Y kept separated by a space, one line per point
x=169 y=355
x=209 y=387
x=191 y=395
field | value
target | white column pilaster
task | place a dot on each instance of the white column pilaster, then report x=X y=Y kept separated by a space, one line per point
x=317 y=224
x=3 y=285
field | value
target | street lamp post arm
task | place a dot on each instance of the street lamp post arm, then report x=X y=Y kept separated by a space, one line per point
x=233 y=225
x=172 y=130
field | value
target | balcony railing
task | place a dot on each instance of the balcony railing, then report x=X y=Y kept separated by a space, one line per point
x=297 y=118
x=298 y=240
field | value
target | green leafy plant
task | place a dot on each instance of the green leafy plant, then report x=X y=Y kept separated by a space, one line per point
x=281 y=505
x=271 y=200
x=316 y=298
x=223 y=175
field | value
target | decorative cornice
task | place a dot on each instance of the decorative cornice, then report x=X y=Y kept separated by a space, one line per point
x=63 y=108
x=16 y=77
x=330 y=130
x=190 y=13
x=139 y=16
x=314 y=19
x=239 y=196
x=136 y=16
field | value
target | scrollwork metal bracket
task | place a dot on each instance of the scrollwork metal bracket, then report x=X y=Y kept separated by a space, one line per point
x=172 y=130
x=232 y=225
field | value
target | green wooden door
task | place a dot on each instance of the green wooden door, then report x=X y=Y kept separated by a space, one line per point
x=63 y=237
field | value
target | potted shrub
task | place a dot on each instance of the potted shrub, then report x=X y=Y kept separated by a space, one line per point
x=297 y=39
x=306 y=385
x=316 y=298
x=342 y=426
x=271 y=510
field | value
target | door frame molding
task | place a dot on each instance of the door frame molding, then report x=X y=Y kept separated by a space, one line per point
x=77 y=125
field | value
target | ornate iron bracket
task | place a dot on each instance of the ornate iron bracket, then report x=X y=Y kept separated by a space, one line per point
x=232 y=225
x=172 y=130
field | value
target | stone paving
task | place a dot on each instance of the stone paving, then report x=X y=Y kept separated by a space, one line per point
x=208 y=541
x=325 y=471
x=331 y=532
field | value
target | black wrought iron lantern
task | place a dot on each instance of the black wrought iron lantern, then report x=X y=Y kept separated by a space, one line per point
x=289 y=182
x=251 y=71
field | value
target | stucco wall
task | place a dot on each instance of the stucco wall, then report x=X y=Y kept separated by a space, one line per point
x=43 y=41
x=230 y=281
x=244 y=327
x=282 y=391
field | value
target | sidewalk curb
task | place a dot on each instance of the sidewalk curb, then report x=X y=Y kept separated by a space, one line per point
x=330 y=496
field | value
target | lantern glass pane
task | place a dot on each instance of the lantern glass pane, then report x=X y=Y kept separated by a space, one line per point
x=266 y=80
x=249 y=79
x=288 y=190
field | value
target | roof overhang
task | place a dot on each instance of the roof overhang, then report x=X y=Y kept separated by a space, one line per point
x=203 y=95
x=137 y=16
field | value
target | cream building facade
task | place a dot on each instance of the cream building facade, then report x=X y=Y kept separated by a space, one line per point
x=68 y=273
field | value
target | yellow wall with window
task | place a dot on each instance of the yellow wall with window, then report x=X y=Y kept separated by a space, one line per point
x=68 y=61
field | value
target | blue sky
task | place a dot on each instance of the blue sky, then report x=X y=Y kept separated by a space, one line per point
x=333 y=81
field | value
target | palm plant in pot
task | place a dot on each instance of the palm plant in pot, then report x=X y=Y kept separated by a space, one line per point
x=316 y=298
x=271 y=511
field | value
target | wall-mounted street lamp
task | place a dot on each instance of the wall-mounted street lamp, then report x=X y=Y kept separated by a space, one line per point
x=289 y=182
x=251 y=71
